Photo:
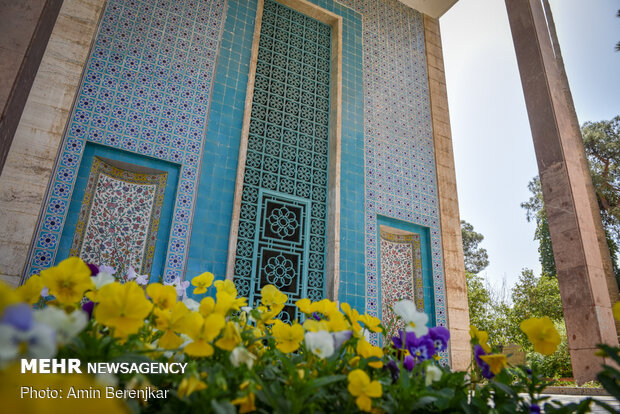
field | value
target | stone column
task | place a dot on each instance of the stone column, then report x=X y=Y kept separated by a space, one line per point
x=25 y=28
x=37 y=139
x=452 y=244
x=567 y=191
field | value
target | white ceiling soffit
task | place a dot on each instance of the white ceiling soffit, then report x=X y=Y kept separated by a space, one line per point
x=433 y=8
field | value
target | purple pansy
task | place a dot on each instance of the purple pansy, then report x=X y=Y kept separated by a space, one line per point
x=404 y=340
x=485 y=369
x=440 y=336
x=94 y=269
x=18 y=316
x=394 y=370
x=422 y=348
x=88 y=308
x=409 y=363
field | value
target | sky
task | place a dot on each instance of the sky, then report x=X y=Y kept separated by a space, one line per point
x=493 y=149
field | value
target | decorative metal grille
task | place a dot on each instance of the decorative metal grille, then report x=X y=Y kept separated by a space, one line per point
x=282 y=228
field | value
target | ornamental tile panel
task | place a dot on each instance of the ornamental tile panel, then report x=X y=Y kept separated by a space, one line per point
x=118 y=222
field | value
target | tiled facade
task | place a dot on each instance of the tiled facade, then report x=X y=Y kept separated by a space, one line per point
x=145 y=89
x=163 y=72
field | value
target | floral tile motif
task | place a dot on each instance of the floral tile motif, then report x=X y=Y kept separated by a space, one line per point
x=118 y=222
x=401 y=274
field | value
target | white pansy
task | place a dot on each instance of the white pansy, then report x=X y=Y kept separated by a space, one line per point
x=8 y=348
x=247 y=310
x=142 y=280
x=139 y=279
x=320 y=343
x=240 y=355
x=341 y=337
x=191 y=304
x=102 y=279
x=106 y=379
x=38 y=342
x=433 y=373
x=181 y=287
x=414 y=321
x=66 y=325
x=107 y=269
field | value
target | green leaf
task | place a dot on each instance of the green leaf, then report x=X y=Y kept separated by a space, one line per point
x=223 y=407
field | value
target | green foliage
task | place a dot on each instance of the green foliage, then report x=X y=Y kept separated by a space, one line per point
x=476 y=258
x=488 y=310
x=535 y=210
x=534 y=296
x=602 y=145
x=556 y=365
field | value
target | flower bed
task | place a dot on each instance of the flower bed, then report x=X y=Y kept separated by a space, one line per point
x=175 y=354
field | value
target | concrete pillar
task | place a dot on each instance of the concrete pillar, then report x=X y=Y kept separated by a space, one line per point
x=452 y=245
x=25 y=28
x=567 y=191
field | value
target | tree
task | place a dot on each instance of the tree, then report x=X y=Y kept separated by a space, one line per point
x=536 y=297
x=489 y=309
x=602 y=144
x=535 y=210
x=476 y=258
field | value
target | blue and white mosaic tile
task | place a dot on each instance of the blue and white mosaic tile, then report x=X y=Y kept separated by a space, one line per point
x=399 y=161
x=146 y=89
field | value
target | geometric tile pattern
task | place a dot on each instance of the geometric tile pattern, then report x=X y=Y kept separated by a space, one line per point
x=145 y=89
x=399 y=161
x=287 y=159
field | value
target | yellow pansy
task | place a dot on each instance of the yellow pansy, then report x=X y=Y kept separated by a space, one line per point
x=226 y=286
x=225 y=302
x=202 y=282
x=30 y=292
x=312 y=325
x=171 y=321
x=202 y=331
x=246 y=403
x=361 y=387
x=366 y=350
x=68 y=281
x=164 y=297
x=207 y=306
x=122 y=307
x=270 y=295
x=230 y=337
x=481 y=336
x=337 y=322
x=542 y=334
x=267 y=315
x=288 y=337
x=372 y=323
x=190 y=385
x=616 y=311
x=324 y=306
x=304 y=305
x=7 y=296
x=496 y=362
x=353 y=316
